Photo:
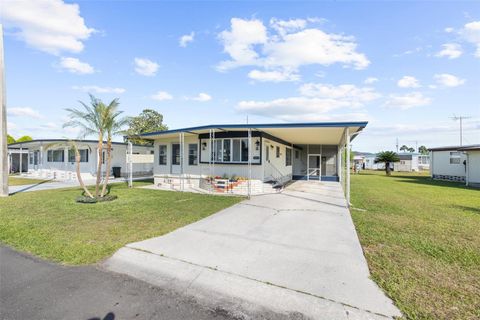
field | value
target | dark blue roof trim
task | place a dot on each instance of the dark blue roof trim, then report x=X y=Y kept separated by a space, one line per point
x=362 y=125
x=75 y=140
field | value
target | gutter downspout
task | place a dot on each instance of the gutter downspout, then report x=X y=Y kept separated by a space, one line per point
x=467 y=171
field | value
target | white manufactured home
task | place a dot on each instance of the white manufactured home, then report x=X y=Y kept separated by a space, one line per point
x=257 y=157
x=411 y=162
x=456 y=163
x=54 y=158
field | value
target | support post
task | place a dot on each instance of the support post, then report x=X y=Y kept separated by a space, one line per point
x=3 y=125
x=347 y=173
x=249 y=163
x=130 y=164
x=182 y=147
x=20 y=160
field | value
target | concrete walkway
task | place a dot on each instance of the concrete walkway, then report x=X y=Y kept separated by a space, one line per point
x=296 y=252
x=54 y=184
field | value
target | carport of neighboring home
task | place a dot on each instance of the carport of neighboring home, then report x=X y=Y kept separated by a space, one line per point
x=259 y=153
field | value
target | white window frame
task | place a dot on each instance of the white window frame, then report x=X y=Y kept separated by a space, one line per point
x=455 y=155
x=165 y=154
x=214 y=156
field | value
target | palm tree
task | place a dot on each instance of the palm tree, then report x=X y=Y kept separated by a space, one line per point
x=387 y=157
x=91 y=121
x=113 y=126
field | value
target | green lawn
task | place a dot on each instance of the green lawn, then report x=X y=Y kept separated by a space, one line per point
x=422 y=242
x=50 y=224
x=18 y=181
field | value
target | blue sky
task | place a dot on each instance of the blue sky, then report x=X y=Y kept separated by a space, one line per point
x=407 y=68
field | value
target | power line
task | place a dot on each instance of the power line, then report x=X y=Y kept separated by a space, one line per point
x=461 y=118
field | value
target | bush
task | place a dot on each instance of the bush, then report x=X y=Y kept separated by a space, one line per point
x=84 y=199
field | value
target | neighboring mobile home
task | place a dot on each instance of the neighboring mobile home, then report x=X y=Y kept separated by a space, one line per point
x=54 y=159
x=456 y=163
x=223 y=157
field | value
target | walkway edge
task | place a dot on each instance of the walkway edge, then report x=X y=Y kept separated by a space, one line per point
x=231 y=292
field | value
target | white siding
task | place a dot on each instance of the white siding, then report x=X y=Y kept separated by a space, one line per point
x=474 y=167
x=440 y=165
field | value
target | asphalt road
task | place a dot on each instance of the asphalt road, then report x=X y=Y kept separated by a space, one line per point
x=31 y=288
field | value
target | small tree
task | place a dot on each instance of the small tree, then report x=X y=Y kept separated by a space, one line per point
x=90 y=120
x=24 y=139
x=113 y=126
x=147 y=121
x=10 y=139
x=387 y=157
x=404 y=148
x=423 y=150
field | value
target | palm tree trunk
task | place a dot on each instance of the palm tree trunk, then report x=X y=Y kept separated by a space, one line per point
x=387 y=168
x=99 y=164
x=109 y=163
x=79 y=176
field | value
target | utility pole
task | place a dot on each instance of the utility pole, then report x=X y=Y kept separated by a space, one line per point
x=397 y=145
x=461 y=118
x=3 y=125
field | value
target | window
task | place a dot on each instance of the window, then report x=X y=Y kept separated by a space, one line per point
x=162 y=155
x=288 y=157
x=297 y=154
x=30 y=158
x=230 y=150
x=278 y=152
x=226 y=150
x=455 y=157
x=83 y=155
x=55 y=156
x=236 y=150
x=267 y=152
x=193 y=154
x=175 y=154
x=244 y=150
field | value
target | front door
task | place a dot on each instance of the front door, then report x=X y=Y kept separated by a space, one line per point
x=314 y=170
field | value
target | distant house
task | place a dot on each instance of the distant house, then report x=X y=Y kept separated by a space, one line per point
x=408 y=162
x=456 y=163
x=54 y=159
x=411 y=162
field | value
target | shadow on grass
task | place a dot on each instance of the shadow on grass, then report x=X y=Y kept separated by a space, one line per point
x=30 y=186
x=431 y=182
x=467 y=208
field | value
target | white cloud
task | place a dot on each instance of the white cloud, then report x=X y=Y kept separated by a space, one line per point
x=98 y=89
x=449 y=30
x=274 y=76
x=450 y=50
x=287 y=26
x=145 y=67
x=408 y=82
x=186 y=39
x=471 y=33
x=239 y=42
x=407 y=101
x=288 y=46
x=24 y=112
x=49 y=25
x=370 y=80
x=161 y=96
x=346 y=92
x=316 y=102
x=74 y=65
x=202 y=97
x=448 y=80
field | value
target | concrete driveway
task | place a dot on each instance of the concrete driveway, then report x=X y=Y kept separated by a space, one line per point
x=295 y=252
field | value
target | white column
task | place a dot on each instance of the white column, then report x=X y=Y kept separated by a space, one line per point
x=21 y=159
x=347 y=191
x=3 y=126
x=130 y=164
x=339 y=163
x=249 y=162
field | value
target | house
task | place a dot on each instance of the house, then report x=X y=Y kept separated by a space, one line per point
x=456 y=163
x=411 y=162
x=234 y=157
x=54 y=158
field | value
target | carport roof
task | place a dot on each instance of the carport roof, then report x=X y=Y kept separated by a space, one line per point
x=295 y=133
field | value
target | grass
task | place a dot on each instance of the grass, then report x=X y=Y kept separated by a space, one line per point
x=50 y=224
x=17 y=181
x=422 y=242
